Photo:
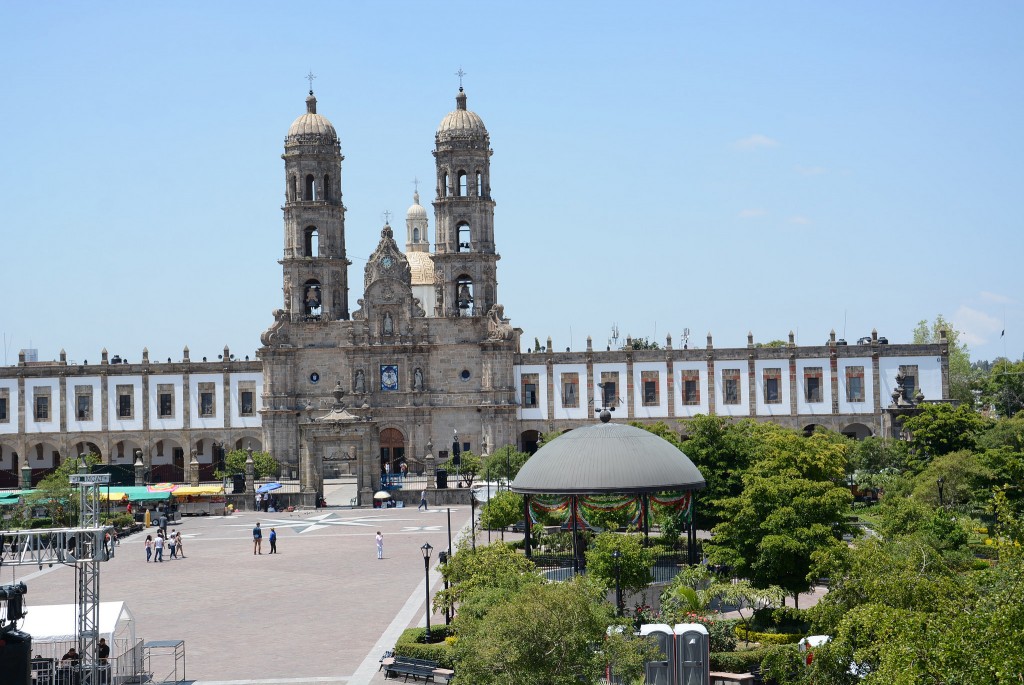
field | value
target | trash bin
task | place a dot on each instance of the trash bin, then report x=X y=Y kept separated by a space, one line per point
x=442 y=479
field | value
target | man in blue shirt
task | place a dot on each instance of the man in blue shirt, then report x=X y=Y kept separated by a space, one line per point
x=273 y=541
x=257 y=539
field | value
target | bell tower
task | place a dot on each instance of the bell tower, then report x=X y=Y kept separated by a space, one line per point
x=465 y=259
x=314 y=262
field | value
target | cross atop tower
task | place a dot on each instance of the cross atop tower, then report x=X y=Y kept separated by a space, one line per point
x=387 y=217
x=460 y=73
x=416 y=184
x=309 y=77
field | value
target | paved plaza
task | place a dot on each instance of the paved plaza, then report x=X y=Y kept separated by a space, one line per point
x=322 y=611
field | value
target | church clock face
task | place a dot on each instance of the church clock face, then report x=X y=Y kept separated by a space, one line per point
x=387 y=261
x=314 y=377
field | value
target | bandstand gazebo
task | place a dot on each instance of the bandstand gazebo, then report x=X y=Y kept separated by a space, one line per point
x=608 y=459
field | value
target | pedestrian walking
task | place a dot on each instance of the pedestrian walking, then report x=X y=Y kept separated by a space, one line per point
x=163 y=523
x=149 y=548
x=172 y=543
x=158 y=544
x=257 y=539
x=380 y=545
x=423 y=501
x=181 y=550
x=273 y=541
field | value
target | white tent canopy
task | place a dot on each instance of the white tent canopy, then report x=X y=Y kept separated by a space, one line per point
x=59 y=622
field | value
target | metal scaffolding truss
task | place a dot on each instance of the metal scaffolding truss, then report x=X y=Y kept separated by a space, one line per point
x=84 y=548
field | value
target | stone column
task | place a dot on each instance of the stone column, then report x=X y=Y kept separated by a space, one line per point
x=140 y=469
x=193 y=470
x=250 y=474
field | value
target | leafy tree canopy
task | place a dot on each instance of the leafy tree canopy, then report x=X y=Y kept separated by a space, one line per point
x=264 y=465
x=504 y=463
x=942 y=428
x=722 y=450
x=502 y=510
x=56 y=495
x=634 y=562
x=544 y=634
x=1003 y=387
x=793 y=504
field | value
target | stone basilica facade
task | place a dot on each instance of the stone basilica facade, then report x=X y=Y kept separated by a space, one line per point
x=424 y=359
x=426 y=353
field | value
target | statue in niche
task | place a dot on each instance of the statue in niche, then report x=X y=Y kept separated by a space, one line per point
x=287 y=296
x=389 y=324
x=351 y=453
x=360 y=384
x=417 y=380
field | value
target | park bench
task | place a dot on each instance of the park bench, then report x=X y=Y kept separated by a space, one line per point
x=408 y=667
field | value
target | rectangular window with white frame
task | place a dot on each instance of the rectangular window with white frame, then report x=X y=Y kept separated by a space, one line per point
x=609 y=388
x=570 y=390
x=649 y=385
x=530 y=383
x=5 y=403
x=125 y=402
x=813 y=377
x=207 y=405
x=83 y=402
x=247 y=398
x=691 y=386
x=773 y=386
x=731 y=386
x=41 y=402
x=854 y=384
x=909 y=372
x=165 y=400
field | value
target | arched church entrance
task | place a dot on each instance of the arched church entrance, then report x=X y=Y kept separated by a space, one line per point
x=528 y=441
x=392 y=451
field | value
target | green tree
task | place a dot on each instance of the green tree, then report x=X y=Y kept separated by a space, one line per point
x=939 y=429
x=264 y=465
x=493 y=571
x=722 y=450
x=634 y=562
x=544 y=634
x=504 y=463
x=642 y=344
x=961 y=377
x=502 y=510
x=793 y=504
x=965 y=481
x=1003 y=387
x=469 y=466
x=56 y=495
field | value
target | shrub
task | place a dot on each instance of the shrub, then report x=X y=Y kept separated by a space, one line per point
x=120 y=521
x=780 y=620
x=769 y=638
x=410 y=644
x=738 y=662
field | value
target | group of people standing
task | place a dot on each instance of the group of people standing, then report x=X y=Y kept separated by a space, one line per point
x=267 y=502
x=257 y=540
x=172 y=541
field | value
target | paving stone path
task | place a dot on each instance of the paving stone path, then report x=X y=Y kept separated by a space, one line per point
x=322 y=611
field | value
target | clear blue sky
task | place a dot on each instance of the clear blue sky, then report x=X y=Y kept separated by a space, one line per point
x=716 y=166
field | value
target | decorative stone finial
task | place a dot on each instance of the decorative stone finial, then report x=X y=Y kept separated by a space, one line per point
x=590 y=344
x=750 y=338
x=792 y=338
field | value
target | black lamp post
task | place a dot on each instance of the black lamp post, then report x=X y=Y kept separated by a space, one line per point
x=617 y=556
x=941 y=482
x=426 y=549
x=442 y=558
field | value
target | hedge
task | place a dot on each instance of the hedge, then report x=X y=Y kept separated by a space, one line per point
x=410 y=644
x=738 y=662
x=768 y=638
